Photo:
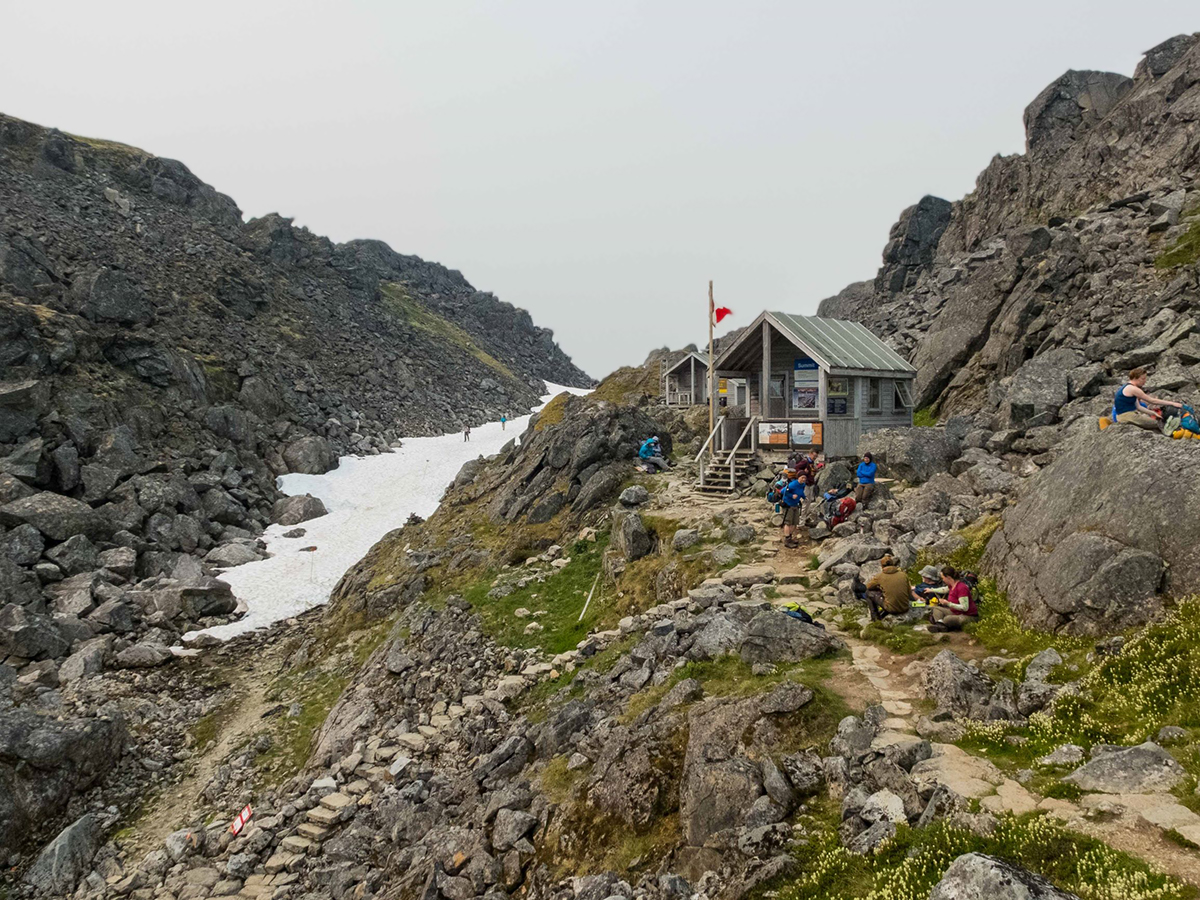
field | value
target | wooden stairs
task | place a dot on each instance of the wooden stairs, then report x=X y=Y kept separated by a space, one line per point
x=714 y=476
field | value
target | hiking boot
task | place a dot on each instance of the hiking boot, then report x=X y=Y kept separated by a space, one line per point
x=936 y=627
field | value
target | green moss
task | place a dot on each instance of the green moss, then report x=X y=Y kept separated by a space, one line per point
x=897 y=638
x=552 y=412
x=1185 y=250
x=628 y=385
x=925 y=417
x=208 y=727
x=557 y=781
x=398 y=300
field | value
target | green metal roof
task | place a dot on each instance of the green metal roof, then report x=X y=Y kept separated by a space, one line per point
x=842 y=344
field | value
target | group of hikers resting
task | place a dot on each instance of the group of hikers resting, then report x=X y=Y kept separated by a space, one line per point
x=795 y=490
x=946 y=592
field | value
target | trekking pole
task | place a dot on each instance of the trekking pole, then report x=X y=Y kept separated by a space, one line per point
x=589 y=597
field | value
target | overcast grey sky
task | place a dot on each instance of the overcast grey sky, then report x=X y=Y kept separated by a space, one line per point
x=595 y=163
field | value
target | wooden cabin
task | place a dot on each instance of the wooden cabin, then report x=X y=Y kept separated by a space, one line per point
x=804 y=381
x=685 y=381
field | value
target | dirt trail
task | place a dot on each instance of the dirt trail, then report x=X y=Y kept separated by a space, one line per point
x=248 y=665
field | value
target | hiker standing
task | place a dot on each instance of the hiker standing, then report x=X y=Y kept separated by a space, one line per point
x=1131 y=406
x=887 y=592
x=866 y=480
x=793 y=496
x=503 y=421
x=466 y=432
x=957 y=609
x=650 y=453
x=806 y=473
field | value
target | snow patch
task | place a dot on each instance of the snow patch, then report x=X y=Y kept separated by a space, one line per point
x=367 y=496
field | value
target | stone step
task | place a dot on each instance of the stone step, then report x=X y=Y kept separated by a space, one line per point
x=336 y=802
x=313 y=831
x=322 y=816
x=297 y=844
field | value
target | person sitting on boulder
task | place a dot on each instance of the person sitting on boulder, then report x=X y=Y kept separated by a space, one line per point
x=931 y=588
x=793 y=496
x=887 y=592
x=1132 y=404
x=866 y=480
x=651 y=456
x=958 y=608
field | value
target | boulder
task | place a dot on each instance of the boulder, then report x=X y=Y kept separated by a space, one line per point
x=634 y=495
x=773 y=637
x=309 y=455
x=65 y=859
x=74 y=555
x=113 y=297
x=958 y=688
x=718 y=787
x=56 y=516
x=145 y=655
x=21 y=405
x=911 y=454
x=685 y=538
x=29 y=635
x=235 y=553
x=45 y=760
x=1074 y=102
x=1041 y=387
x=1146 y=768
x=630 y=536
x=1096 y=536
x=297 y=509
x=975 y=875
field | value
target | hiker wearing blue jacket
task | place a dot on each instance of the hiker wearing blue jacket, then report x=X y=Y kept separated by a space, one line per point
x=792 y=497
x=866 y=480
x=651 y=455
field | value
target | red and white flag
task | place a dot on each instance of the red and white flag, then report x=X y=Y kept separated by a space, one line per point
x=240 y=822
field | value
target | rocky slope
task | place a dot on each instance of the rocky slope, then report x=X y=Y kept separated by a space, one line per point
x=161 y=361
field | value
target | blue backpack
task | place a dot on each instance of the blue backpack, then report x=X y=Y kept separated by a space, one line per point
x=1188 y=421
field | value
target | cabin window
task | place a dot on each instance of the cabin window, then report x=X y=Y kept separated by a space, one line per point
x=903 y=395
x=874 y=395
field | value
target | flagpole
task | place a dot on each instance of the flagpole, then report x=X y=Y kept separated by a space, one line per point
x=712 y=392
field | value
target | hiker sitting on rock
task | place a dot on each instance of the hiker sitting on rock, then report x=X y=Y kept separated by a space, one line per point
x=887 y=592
x=651 y=456
x=931 y=588
x=793 y=496
x=1132 y=404
x=957 y=609
x=866 y=480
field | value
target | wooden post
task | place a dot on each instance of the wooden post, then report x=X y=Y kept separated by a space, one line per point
x=764 y=405
x=712 y=393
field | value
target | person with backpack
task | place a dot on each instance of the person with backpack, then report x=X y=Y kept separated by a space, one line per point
x=958 y=608
x=466 y=432
x=930 y=587
x=806 y=473
x=866 y=480
x=792 y=497
x=887 y=592
x=1131 y=405
x=650 y=453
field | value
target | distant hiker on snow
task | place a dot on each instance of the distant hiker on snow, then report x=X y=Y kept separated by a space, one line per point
x=866 y=480
x=466 y=432
x=651 y=455
x=503 y=422
x=1132 y=404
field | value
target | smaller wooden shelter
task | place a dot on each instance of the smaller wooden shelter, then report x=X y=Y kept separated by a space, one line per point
x=685 y=381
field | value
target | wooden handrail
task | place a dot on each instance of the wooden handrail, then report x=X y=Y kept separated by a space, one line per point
x=732 y=458
x=720 y=422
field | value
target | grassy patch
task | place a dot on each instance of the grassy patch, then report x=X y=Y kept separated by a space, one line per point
x=559 y=600
x=628 y=385
x=925 y=417
x=730 y=677
x=557 y=781
x=414 y=314
x=1185 y=250
x=552 y=412
x=208 y=727
x=908 y=866
x=1124 y=699
x=899 y=639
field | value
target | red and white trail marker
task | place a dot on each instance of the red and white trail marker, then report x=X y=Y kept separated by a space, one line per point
x=242 y=818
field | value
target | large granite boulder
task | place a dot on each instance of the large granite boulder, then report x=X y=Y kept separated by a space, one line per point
x=975 y=876
x=310 y=455
x=65 y=859
x=1144 y=769
x=56 y=516
x=912 y=243
x=1041 y=387
x=1073 y=103
x=45 y=760
x=911 y=454
x=773 y=637
x=1098 y=534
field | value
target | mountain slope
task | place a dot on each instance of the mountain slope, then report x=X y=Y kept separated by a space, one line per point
x=1085 y=243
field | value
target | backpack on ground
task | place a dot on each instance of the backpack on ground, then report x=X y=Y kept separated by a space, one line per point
x=838 y=509
x=796 y=611
x=1188 y=420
